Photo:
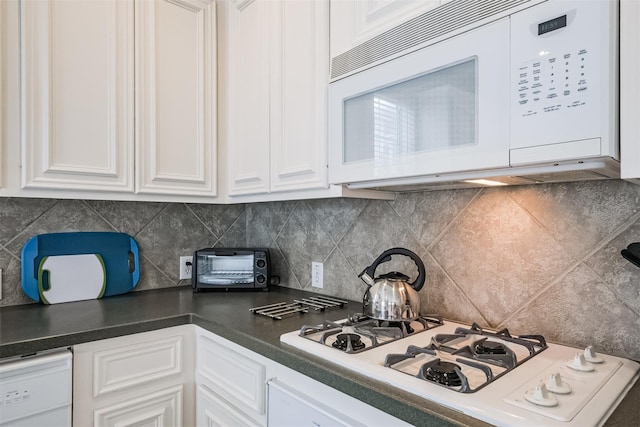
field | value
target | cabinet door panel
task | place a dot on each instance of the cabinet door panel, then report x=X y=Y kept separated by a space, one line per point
x=239 y=379
x=160 y=409
x=77 y=94
x=248 y=106
x=300 y=69
x=211 y=411
x=175 y=96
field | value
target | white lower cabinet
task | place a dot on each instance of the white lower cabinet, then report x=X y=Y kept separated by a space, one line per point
x=234 y=379
x=233 y=390
x=143 y=379
x=187 y=376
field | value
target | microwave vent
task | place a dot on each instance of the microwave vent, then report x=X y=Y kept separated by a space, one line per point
x=430 y=25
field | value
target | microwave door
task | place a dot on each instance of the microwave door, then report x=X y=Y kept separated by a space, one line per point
x=443 y=108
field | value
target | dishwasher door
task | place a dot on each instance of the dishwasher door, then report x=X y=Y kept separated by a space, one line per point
x=36 y=390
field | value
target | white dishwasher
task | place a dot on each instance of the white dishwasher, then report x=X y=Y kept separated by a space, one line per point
x=36 y=390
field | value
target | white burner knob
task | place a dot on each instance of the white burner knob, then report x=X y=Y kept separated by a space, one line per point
x=541 y=397
x=579 y=364
x=556 y=385
x=591 y=356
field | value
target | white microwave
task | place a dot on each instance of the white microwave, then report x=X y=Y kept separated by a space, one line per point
x=519 y=95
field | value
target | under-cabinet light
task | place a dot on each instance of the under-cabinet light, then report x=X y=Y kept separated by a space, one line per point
x=487 y=182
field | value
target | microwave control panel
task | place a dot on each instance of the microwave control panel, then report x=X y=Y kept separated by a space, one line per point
x=560 y=72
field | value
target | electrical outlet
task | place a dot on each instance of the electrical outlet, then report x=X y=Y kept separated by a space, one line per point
x=186 y=267
x=316 y=275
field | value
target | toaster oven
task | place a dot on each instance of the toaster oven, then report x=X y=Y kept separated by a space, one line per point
x=231 y=268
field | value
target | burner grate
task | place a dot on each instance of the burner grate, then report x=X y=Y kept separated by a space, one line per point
x=282 y=309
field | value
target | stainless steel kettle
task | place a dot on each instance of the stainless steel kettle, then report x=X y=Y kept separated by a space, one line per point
x=390 y=296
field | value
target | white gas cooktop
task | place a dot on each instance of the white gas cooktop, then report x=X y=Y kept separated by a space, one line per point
x=584 y=391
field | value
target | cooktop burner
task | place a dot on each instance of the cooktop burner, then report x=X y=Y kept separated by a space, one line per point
x=348 y=342
x=445 y=373
x=360 y=333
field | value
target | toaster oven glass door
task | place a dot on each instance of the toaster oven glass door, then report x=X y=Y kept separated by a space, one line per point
x=225 y=270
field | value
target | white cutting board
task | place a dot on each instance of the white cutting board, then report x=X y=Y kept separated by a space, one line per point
x=64 y=278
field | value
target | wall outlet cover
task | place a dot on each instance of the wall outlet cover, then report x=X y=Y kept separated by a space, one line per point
x=316 y=275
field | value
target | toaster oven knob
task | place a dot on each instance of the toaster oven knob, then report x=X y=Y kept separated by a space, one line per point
x=261 y=263
x=579 y=364
x=556 y=385
x=260 y=279
x=540 y=396
x=591 y=356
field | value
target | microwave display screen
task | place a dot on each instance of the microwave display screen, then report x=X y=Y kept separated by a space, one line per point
x=552 y=25
x=225 y=270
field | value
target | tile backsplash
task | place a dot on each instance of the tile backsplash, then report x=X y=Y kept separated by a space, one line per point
x=536 y=259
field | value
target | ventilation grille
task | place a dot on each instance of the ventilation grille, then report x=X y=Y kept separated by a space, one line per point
x=444 y=19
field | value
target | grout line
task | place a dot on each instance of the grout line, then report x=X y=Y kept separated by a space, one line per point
x=448 y=227
x=216 y=237
x=100 y=215
x=468 y=300
x=573 y=266
x=31 y=223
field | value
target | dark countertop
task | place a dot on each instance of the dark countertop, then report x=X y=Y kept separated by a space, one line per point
x=31 y=328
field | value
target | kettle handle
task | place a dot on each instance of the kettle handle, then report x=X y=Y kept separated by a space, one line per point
x=368 y=273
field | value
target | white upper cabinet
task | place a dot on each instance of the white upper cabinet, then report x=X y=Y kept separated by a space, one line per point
x=90 y=123
x=277 y=76
x=77 y=94
x=175 y=97
x=248 y=95
x=299 y=73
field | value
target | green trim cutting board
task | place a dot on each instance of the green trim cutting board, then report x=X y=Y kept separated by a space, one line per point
x=64 y=267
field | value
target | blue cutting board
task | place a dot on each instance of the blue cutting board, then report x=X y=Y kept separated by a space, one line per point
x=64 y=267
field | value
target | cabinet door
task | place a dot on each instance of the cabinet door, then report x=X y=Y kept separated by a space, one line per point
x=211 y=411
x=77 y=94
x=159 y=409
x=146 y=377
x=299 y=79
x=248 y=93
x=175 y=97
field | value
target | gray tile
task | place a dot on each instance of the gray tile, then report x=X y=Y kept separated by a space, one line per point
x=340 y=280
x=336 y=215
x=281 y=269
x=236 y=234
x=302 y=240
x=428 y=214
x=218 y=218
x=65 y=216
x=377 y=229
x=499 y=256
x=621 y=276
x=580 y=310
x=127 y=217
x=441 y=296
x=270 y=216
x=12 y=293
x=580 y=214
x=257 y=233
x=153 y=278
x=16 y=214
x=175 y=232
